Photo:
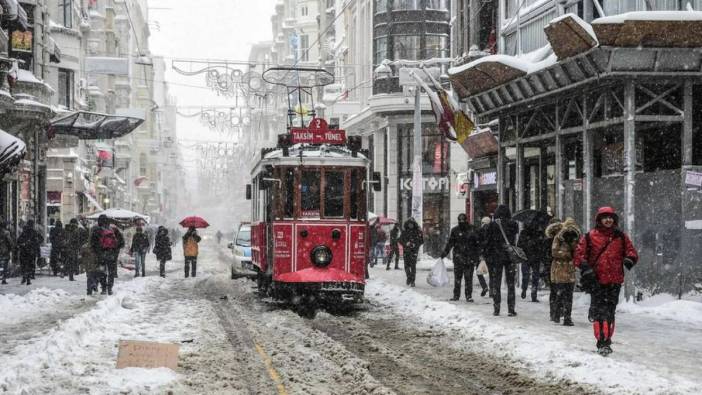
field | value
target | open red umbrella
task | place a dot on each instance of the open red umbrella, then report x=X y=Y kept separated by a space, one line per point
x=194 y=222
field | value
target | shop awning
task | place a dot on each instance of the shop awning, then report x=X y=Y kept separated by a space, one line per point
x=13 y=11
x=91 y=126
x=12 y=151
x=480 y=144
x=93 y=201
x=486 y=73
x=652 y=29
x=569 y=35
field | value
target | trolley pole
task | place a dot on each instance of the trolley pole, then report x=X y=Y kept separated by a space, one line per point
x=417 y=179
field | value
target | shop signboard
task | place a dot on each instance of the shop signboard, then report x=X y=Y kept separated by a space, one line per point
x=693 y=179
x=317 y=132
x=485 y=178
x=22 y=41
x=430 y=184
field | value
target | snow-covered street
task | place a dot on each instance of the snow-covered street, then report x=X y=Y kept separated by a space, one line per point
x=56 y=340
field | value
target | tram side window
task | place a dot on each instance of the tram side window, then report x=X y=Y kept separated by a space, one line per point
x=309 y=193
x=289 y=185
x=353 y=190
x=334 y=194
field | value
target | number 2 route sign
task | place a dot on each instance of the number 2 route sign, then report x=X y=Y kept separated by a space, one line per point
x=317 y=132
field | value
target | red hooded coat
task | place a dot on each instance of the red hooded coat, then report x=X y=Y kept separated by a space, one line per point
x=609 y=268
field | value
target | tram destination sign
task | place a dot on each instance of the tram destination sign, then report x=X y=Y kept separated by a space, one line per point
x=317 y=132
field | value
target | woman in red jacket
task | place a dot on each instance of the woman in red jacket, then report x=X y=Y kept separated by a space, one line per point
x=601 y=256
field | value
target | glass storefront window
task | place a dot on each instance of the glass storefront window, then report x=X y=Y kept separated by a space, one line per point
x=406 y=47
x=441 y=5
x=436 y=46
x=399 y=5
x=380 y=50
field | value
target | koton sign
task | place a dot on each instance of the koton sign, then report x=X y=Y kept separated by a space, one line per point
x=318 y=132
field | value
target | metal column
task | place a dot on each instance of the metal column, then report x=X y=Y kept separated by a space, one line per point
x=687 y=124
x=417 y=178
x=587 y=169
x=559 y=211
x=630 y=170
x=520 y=177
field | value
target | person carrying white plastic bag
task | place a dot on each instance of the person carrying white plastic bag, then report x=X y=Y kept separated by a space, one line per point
x=438 y=276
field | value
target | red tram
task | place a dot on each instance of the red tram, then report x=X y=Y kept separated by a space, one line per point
x=309 y=216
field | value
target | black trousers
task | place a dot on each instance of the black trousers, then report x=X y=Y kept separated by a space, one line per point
x=496 y=271
x=531 y=271
x=70 y=265
x=27 y=266
x=190 y=266
x=162 y=268
x=111 y=271
x=95 y=278
x=463 y=268
x=410 y=265
x=552 y=302
x=603 y=306
x=564 y=299
x=55 y=261
x=394 y=252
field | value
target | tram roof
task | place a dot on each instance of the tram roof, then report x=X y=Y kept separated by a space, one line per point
x=312 y=155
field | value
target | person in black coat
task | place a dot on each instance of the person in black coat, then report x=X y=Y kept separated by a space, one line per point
x=139 y=248
x=28 y=243
x=394 y=247
x=531 y=240
x=162 y=249
x=465 y=242
x=411 y=239
x=57 y=238
x=74 y=241
x=106 y=241
x=497 y=257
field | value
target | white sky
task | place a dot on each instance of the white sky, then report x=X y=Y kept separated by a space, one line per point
x=205 y=29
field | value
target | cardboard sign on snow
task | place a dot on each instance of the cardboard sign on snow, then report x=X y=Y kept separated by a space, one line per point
x=139 y=354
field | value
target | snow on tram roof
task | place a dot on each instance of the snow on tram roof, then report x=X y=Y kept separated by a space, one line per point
x=315 y=151
x=324 y=154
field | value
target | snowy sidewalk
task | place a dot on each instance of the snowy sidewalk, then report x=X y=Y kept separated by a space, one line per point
x=656 y=346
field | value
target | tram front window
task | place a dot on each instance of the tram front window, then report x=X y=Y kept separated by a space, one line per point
x=333 y=194
x=309 y=193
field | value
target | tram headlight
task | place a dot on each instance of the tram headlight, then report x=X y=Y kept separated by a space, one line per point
x=321 y=256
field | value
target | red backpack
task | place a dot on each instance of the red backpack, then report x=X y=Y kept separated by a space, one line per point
x=108 y=240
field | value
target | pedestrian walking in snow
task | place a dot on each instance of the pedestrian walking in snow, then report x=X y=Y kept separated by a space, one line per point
x=6 y=248
x=94 y=271
x=498 y=258
x=138 y=249
x=394 y=247
x=563 y=269
x=531 y=240
x=106 y=241
x=28 y=243
x=190 y=251
x=411 y=240
x=57 y=238
x=162 y=249
x=484 y=222
x=602 y=254
x=464 y=240
x=373 y=236
x=555 y=225
x=380 y=238
x=73 y=244
x=219 y=236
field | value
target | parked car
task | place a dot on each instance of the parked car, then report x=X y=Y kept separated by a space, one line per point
x=241 y=249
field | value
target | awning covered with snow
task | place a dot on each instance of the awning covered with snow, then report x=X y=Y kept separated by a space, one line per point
x=480 y=144
x=652 y=29
x=12 y=11
x=486 y=73
x=569 y=35
x=12 y=151
x=91 y=126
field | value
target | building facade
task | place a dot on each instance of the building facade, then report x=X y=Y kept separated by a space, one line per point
x=596 y=107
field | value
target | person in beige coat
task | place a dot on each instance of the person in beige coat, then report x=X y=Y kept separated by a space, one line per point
x=563 y=268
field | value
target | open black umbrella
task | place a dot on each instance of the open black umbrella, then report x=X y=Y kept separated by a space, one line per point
x=531 y=217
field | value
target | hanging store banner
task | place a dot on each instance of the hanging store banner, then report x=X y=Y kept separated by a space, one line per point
x=22 y=41
x=693 y=179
